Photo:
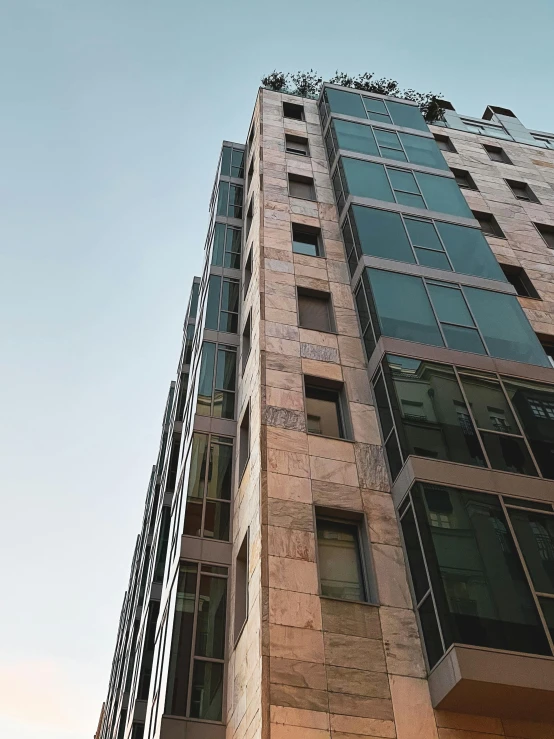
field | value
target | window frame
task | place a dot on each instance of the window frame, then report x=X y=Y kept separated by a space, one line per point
x=224 y=348
x=220 y=311
x=291 y=139
x=443 y=139
x=499 y=151
x=463 y=174
x=244 y=441
x=514 y=185
x=519 y=274
x=224 y=210
x=301 y=228
x=292 y=107
x=242 y=556
x=305 y=292
x=294 y=178
x=331 y=386
x=496 y=231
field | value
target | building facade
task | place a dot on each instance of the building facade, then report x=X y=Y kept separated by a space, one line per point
x=349 y=529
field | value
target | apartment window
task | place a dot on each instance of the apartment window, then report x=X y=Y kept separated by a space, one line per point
x=181 y=397
x=161 y=550
x=489 y=224
x=247 y=272
x=246 y=345
x=517 y=277
x=229 y=200
x=216 y=385
x=251 y=172
x=306 y=240
x=232 y=162
x=376 y=109
x=147 y=660
x=464 y=179
x=244 y=441
x=198 y=643
x=444 y=143
x=547 y=343
x=547 y=233
x=324 y=408
x=222 y=308
x=189 y=337
x=209 y=488
x=341 y=571
x=314 y=310
x=497 y=154
x=249 y=216
x=226 y=248
x=173 y=463
x=241 y=587
x=137 y=731
x=291 y=110
x=297 y=145
x=522 y=191
x=301 y=187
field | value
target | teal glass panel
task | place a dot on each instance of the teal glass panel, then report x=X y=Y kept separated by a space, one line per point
x=237 y=163
x=469 y=251
x=429 y=258
x=422 y=233
x=376 y=110
x=450 y=305
x=206 y=698
x=212 y=304
x=194 y=299
x=226 y=161
x=402 y=180
x=226 y=369
x=218 y=245
x=423 y=151
x=505 y=328
x=221 y=463
x=408 y=198
x=463 y=339
x=381 y=234
x=222 y=198
x=347 y=103
x=233 y=247
x=443 y=195
x=230 y=295
x=210 y=626
x=198 y=465
x=367 y=180
x=403 y=307
x=408 y=116
x=205 y=382
x=390 y=145
x=355 y=137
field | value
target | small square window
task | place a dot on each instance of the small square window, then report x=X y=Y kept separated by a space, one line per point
x=497 y=154
x=489 y=224
x=464 y=179
x=244 y=441
x=324 y=408
x=444 y=143
x=246 y=344
x=306 y=240
x=522 y=191
x=314 y=310
x=547 y=232
x=297 y=145
x=296 y=112
x=340 y=562
x=517 y=277
x=301 y=187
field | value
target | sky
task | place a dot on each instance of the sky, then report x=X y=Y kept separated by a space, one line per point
x=112 y=114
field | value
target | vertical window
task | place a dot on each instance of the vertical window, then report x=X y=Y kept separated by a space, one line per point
x=497 y=154
x=209 y=489
x=489 y=224
x=364 y=317
x=464 y=179
x=226 y=246
x=216 y=386
x=301 y=187
x=296 y=112
x=306 y=240
x=148 y=651
x=247 y=272
x=547 y=233
x=244 y=441
x=314 y=310
x=297 y=145
x=229 y=200
x=189 y=336
x=324 y=408
x=249 y=216
x=173 y=464
x=182 y=397
x=517 y=277
x=246 y=343
x=222 y=309
x=458 y=326
x=163 y=539
x=232 y=162
x=522 y=191
x=444 y=143
x=241 y=587
x=341 y=571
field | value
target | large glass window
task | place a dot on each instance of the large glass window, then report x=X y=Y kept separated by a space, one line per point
x=198 y=643
x=232 y=162
x=229 y=200
x=339 y=557
x=376 y=109
x=209 y=489
x=226 y=246
x=478 y=592
x=222 y=309
x=216 y=386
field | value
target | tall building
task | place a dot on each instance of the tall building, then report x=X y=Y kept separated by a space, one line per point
x=349 y=529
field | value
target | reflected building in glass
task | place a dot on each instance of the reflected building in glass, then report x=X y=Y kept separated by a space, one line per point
x=349 y=527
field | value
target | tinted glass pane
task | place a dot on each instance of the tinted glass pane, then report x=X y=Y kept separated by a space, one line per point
x=535 y=535
x=305 y=243
x=340 y=569
x=363 y=310
x=226 y=161
x=506 y=330
x=393 y=455
x=218 y=244
x=450 y=305
x=348 y=103
x=381 y=234
x=404 y=181
x=198 y=461
x=226 y=369
x=469 y=251
x=408 y=116
x=488 y=403
x=210 y=626
x=163 y=540
x=383 y=407
x=228 y=322
x=423 y=151
x=422 y=233
x=463 y=339
x=415 y=556
x=407 y=198
x=233 y=248
x=230 y=295
x=403 y=307
x=433 y=416
x=485 y=599
x=323 y=412
x=222 y=198
x=212 y=307
x=435 y=259
x=397 y=154
x=534 y=405
x=443 y=195
x=220 y=478
x=355 y=137
x=193 y=519
x=387 y=138
x=205 y=382
x=508 y=453
x=431 y=633
x=367 y=179
x=216 y=521
x=374 y=105
x=237 y=163
x=207 y=690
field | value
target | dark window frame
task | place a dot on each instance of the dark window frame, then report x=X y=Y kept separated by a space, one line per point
x=490 y=221
x=297 y=229
x=442 y=139
x=305 y=181
x=296 y=110
x=468 y=183
x=498 y=152
x=301 y=141
x=519 y=279
x=337 y=389
x=304 y=292
x=528 y=194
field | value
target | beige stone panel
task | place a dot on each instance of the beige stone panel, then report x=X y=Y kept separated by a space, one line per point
x=357 y=682
x=282 y=731
x=290 y=608
x=342 y=295
x=280 y=301
x=296 y=575
x=316 y=273
x=332 y=470
x=333 y=249
x=312 y=283
x=293 y=697
x=315 y=368
x=320 y=338
x=390 y=572
x=288 y=463
x=413 y=712
x=289 y=514
x=299 y=717
x=351 y=352
x=354 y=651
x=525 y=730
x=290 y=543
x=321 y=446
x=369 y=728
x=282 y=363
x=287 y=439
x=357 y=705
x=401 y=641
x=372 y=469
x=457 y=734
x=285 y=487
x=467 y=722
x=288 y=317
x=357 y=385
x=282 y=346
x=332 y=495
x=338 y=271
x=347 y=322
x=365 y=424
x=300 y=674
x=289 y=642
x=354 y=619
x=343 y=735
x=381 y=518
x=281 y=398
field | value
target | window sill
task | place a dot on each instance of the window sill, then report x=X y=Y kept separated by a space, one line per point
x=241 y=632
x=319 y=330
x=332 y=438
x=306 y=200
x=193 y=720
x=344 y=600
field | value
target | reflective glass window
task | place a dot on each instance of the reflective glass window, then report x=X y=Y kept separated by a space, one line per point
x=423 y=151
x=355 y=137
x=340 y=566
x=535 y=535
x=381 y=234
x=347 y=103
x=389 y=144
x=443 y=195
x=226 y=246
x=469 y=251
x=407 y=116
x=367 y=179
x=405 y=188
x=376 y=110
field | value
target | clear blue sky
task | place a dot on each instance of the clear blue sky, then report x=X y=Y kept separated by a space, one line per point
x=111 y=117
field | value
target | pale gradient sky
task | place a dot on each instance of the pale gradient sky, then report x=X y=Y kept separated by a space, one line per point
x=111 y=117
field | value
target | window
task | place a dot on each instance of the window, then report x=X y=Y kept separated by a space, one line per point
x=182 y=397
x=251 y=171
x=222 y=308
x=163 y=539
x=246 y=346
x=489 y=224
x=456 y=321
x=241 y=587
x=306 y=240
x=517 y=277
x=522 y=191
x=209 y=487
x=226 y=246
x=464 y=179
x=444 y=143
x=216 y=386
x=232 y=162
x=247 y=272
x=138 y=730
x=194 y=294
x=198 y=643
x=244 y=441
x=547 y=233
x=229 y=200
x=189 y=337
x=296 y=112
x=547 y=343
x=324 y=408
x=173 y=463
x=314 y=310
x=341 y=572
x=301 y=187
x=497 y=154
x=145 y=673
x=297 y=145
x=249 y=215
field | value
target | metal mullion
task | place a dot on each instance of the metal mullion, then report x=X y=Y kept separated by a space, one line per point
x=545 y=595
x=209 y=659
x=193 y=641
x=473 y=421
x=529 y=510
x=520 y=427
x=434 y=311
x=527 y=575
x=499 y=433
x=394 y=429
x=461 y=288
x=418 y=605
